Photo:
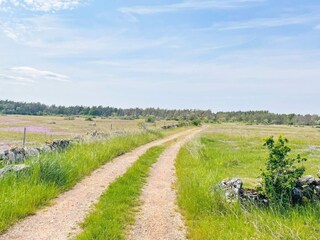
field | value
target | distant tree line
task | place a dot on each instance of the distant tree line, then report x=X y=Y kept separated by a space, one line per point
x=250 y=117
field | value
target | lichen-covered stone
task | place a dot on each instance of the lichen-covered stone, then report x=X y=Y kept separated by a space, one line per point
x=230 y=187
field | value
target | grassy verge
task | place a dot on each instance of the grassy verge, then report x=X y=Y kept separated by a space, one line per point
x=115 y=209
x=216 y=156
x=53 y=173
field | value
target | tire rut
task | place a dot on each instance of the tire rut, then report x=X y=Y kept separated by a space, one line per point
x=158 y=217
x=61 y=220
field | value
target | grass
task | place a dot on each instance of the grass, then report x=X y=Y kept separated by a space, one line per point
x=236 y=151
x=63 y=127
x=53 y=173
x=116 y=207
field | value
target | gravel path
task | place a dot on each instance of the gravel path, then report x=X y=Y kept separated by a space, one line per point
x=60 y=220
x=158 y=217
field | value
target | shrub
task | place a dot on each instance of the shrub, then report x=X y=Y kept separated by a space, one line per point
x=281 y=174
x=196 y=122
x=150 y=119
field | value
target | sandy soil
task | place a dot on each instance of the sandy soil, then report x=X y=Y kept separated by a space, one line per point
x=159 y=218
x=60 y=220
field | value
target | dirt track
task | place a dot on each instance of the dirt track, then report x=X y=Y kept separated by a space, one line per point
x=159 y=218
x=60 y=220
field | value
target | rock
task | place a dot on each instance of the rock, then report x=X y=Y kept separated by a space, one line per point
x=58 y=144
x=32 y=152
x=11 y=157
x=231 y=188
x=252 y=196
x=19 y=157
x=307 y=180
x=318 y=174
x=297 y=195
x=46 y=148
x=13 y=168
x=2 y=156
x=300 y=194
x=317 y=191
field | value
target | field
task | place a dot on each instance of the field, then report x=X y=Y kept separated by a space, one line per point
x=125 y=185
x=48 y=128
x=232 y=150
x=56 y=172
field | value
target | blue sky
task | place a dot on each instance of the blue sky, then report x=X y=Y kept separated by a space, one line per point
x=208 y=54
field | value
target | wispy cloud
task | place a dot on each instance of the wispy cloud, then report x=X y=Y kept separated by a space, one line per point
x=28 y=75
x=41 y=5
x=264 y=23
x=54 y=37
x=16 y=80
x=317 y=27
x=186 y=5
x=33 y=73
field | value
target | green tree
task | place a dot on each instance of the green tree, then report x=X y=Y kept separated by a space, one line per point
x=281 y=173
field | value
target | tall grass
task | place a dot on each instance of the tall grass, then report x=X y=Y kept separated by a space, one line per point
x=53 y=173
x=116 y=207
x=216 y=156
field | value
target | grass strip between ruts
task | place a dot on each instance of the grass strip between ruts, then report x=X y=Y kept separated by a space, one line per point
x=116 y=208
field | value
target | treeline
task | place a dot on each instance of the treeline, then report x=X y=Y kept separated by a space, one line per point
x=251 y=117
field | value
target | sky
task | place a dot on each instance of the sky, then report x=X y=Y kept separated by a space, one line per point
x=223 y=55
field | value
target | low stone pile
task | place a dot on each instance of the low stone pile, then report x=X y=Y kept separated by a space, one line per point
x=307 y=189
x=57 y=145
x=18 y=155
x=233 y=191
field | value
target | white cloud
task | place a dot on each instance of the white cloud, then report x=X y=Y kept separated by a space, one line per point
x=42 y=5
x=16 y=80
x=28 y=75
x=317 y=27
x=51 y=35
x=33 y=73
x=186 y=5
x=264 y=23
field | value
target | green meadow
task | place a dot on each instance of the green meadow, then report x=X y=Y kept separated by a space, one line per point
x=56 y=172
x=234 y=150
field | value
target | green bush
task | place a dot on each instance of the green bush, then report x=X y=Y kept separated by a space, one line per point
x=196 y=122
x=281 y=173
x=150 y=119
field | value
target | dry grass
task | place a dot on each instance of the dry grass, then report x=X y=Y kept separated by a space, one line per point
x=47 y=128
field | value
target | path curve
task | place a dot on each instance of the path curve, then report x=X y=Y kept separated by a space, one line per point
x=61 y=220
x=158 y=217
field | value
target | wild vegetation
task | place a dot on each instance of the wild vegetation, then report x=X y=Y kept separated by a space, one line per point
x=250 y=117
x=281 y=173
x=116 y=208
x=41 y=128
x=55 y=172
x=238 y=151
